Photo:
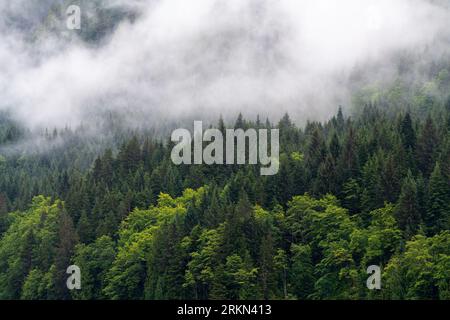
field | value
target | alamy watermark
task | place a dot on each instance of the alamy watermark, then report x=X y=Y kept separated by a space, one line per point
x=231 y=149
x=73 y=20
x=74 y=280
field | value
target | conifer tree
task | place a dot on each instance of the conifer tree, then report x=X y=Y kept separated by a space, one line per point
x=407 y=210
x=407 y=132
x=426 y=147
x=437 y=216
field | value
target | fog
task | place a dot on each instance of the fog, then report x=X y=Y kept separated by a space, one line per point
x=178 y=59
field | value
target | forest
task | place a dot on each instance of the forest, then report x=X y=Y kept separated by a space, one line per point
x=370 y=186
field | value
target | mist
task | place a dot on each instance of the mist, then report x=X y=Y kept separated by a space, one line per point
x=169 y=60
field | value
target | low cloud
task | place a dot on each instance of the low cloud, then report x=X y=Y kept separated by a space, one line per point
x=177 y=59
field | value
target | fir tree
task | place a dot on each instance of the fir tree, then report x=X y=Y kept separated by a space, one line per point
x=407 y=211
x=437 y=216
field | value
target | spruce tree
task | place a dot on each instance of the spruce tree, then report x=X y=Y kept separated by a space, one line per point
x=426 y=147
x=437 y=216
x=407 y=132
x=407 y=210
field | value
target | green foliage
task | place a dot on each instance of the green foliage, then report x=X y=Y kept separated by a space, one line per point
x=350 y=193
x=30 y=245
x=438 y=207
x=408 y=211
x=94 y=260
x=422 y=272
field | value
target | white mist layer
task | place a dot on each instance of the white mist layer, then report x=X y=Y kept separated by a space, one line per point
x=203 y=58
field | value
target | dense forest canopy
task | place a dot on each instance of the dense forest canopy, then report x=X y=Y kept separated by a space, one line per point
x=373 y=188
x=86 y=177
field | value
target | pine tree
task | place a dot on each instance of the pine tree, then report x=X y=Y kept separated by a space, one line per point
x=349 y=162
x=340 y=122
x=335 y=147
x=407 y=132
x=3 y=213
x=234 y=238
x=266 y=265
x=372 y=196
x=407 y=210
x=316 y=151
x=426 y=147
x=240 y=123
x=326 y=181
x=84 y=228
x=213 y=215
x=437 y=216
x=130 y=155
x=281 y=267
x=447 y=108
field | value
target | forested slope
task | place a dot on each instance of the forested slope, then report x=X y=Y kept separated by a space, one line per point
x=372 y=187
